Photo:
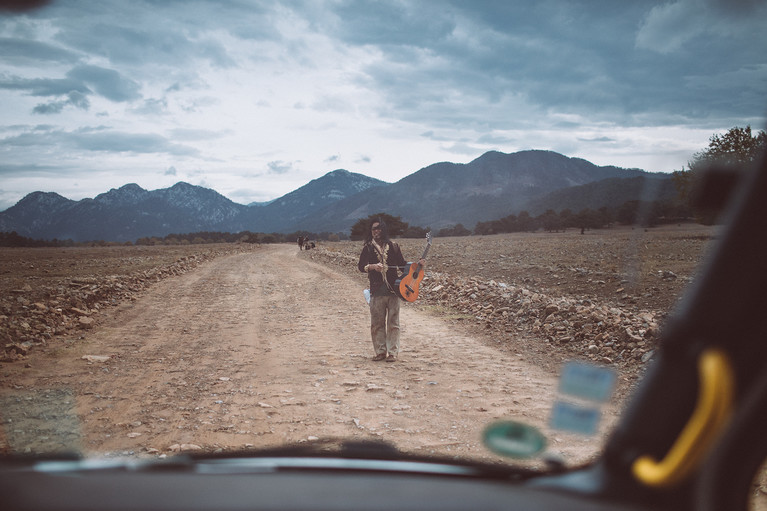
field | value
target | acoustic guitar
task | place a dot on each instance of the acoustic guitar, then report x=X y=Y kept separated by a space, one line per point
x=407 y=286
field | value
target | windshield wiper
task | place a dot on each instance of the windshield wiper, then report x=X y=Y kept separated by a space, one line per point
x=350 y=456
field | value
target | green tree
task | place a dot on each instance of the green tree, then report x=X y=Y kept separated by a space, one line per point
x=682 y=180
x=588 y=219
x=628 y=212
x=737 y=149
x=606 y=216
x=394 y=224
x=550 y=221
x=456 y=230
x=524 y=222
x=415 y=231
x=566 y=218
x=484 y=228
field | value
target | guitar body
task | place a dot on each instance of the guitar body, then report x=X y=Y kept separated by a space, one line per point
x=407 y=286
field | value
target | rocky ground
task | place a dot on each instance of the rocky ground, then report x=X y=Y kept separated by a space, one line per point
x=50 y=294
x=602 y=295
x=264 y=347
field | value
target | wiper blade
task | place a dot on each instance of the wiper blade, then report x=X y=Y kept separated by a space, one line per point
x=279 y=464
x=335 y=455
x=364 y=449
x=353 y=456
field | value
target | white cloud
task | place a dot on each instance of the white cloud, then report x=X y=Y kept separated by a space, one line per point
x=279 y=167
x=267 y=96
x=74 y=98
x=670 y=26
x=107 y=82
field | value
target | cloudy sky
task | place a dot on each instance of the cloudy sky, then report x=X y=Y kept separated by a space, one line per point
x=256 y=98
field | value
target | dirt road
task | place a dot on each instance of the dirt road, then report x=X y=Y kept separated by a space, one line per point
x=266 y=348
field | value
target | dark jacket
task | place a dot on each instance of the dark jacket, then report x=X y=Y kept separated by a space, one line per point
x=394 y=258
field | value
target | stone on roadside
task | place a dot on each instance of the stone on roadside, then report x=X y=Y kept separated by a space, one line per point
x=96 y=358
x=85 y=322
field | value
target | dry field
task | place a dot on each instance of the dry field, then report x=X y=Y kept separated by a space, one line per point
x=602 y=295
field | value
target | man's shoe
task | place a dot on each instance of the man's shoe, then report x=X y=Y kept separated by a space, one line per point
x=379 y=357
x=391 y=358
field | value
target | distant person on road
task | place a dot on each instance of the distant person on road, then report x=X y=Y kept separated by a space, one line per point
x=380 y=259
x=300 y=243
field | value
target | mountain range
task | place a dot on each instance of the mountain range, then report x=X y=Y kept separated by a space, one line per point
x=440 y=195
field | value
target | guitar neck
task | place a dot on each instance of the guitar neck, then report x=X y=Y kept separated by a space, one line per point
x=428 y=245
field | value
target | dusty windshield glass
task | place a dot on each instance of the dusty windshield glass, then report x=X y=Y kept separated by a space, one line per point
x=162 y=349
x=189 y=260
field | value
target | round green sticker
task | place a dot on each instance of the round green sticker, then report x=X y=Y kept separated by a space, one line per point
x=513 y=439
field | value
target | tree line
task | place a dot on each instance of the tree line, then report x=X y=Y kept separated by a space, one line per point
x=634 y=212
x=13 y=239
x=643 y=213
x=713 y=173
x=198 y=238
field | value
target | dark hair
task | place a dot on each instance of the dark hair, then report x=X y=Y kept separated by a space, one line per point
x=384 y=230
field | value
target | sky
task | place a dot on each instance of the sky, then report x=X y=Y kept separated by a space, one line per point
x=254 y=99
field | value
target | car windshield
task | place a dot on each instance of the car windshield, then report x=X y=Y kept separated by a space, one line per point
x=183 y=272
x=166 y=349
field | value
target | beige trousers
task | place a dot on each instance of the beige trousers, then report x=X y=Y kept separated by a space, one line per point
x=384 y=324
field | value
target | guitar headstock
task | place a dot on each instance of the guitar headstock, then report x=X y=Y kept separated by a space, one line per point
x=428 y=245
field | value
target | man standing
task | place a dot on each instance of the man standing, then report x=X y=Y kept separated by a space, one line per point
x=380 y=259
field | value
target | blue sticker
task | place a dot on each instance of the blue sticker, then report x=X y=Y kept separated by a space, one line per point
x=577 y=418
x=587 y=381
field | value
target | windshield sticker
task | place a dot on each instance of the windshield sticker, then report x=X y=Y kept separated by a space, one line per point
x=513 y=439
x=587 y=381
x=576 y=418
x=583 y=388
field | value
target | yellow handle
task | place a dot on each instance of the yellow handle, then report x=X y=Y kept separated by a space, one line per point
x=711 y=413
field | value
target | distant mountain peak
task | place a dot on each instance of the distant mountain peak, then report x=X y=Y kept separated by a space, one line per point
x=490 y=187
x=318 y=193
x=183 y=185
x=132 y=187
x=40 y=198
x=126 y=194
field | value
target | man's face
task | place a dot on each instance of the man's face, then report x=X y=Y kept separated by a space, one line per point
x=376 y=231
